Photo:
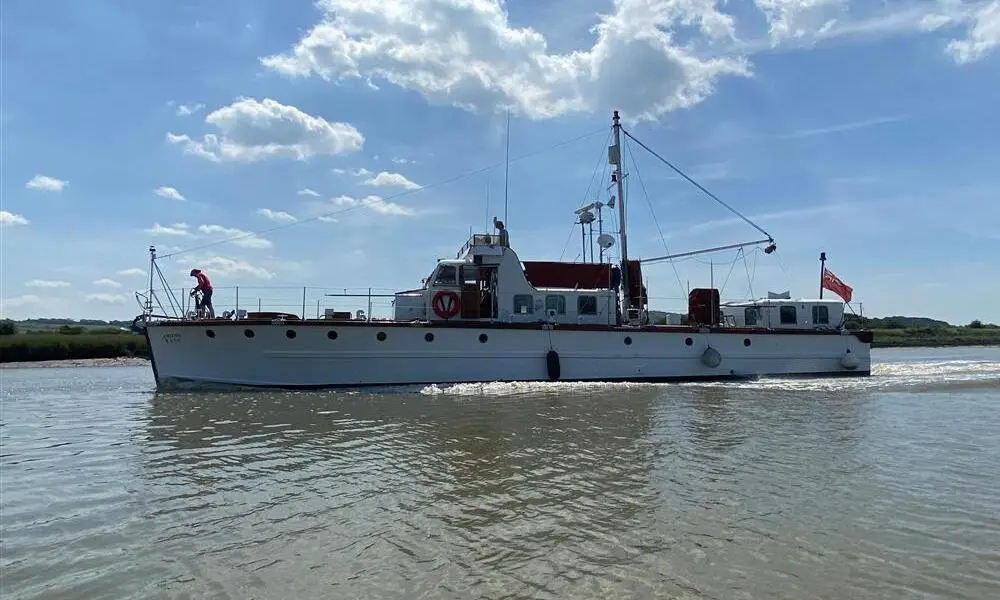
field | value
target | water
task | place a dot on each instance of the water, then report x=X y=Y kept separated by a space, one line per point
x=887 y=487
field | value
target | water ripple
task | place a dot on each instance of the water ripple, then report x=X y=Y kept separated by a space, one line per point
x=877 y=488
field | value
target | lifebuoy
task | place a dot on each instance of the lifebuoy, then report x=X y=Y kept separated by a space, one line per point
x=446 y=304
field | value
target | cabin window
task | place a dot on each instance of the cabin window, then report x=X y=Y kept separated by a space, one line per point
x=821 y=315
x=470 y=275
x=524 y=304
x=788 y=316
x=446 y=275
x=586 y=305
x=555 y=302
x=750 y=316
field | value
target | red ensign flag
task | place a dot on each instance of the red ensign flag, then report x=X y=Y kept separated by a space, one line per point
x=835 y=285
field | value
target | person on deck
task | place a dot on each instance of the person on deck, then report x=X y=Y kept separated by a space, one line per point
x=205 y=287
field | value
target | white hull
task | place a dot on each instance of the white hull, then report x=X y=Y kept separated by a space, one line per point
x=186 y=353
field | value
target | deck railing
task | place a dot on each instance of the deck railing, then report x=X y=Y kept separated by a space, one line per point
x=312 y=302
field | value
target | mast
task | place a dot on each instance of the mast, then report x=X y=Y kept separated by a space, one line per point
x=615 y=158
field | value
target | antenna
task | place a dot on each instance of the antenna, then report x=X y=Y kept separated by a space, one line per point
x=506 y=171
x=488 y=202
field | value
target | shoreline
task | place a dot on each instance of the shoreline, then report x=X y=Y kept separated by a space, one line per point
x=123 y=361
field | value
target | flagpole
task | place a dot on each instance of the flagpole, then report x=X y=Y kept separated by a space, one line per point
x=822 y=272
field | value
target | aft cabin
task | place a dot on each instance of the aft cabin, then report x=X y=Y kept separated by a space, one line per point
x=488 y=282
x=784 y=313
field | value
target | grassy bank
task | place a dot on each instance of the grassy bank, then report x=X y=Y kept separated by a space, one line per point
x=936 y=336
x=30 y=347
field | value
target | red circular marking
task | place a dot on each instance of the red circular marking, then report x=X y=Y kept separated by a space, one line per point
x=446 y=304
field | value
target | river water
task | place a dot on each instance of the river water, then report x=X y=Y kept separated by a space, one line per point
x=887 y=487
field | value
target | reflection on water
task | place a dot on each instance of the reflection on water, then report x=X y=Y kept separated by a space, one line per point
x=877 y=488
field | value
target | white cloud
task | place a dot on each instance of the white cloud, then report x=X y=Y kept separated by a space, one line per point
x=465 y=53
x=45 y=283
x=308 y=192
x=362 y=172
x=107 y=283
x=46 y=183
x=177 y=229
x=19 y=301
x=9 y=218
x=134 y=272
x=169 y=193
x=184 y=110
x=649 y=57
x=227 y=267
x=800 y=18
x=386 y=179
x=276 y=215
x=404 y=161
x=375 y=204
x=252 y=130
x=983 y=36
x=105 y=298
x=244 y=239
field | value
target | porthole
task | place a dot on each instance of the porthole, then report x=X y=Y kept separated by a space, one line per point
x=248 y=333
x=429 y=337
x=290 y=334
x=688 y=341
x=628 y=341
x=483 y=338
x=381 y=336
x=210 y=333
x=331 y=334
x=746 y=342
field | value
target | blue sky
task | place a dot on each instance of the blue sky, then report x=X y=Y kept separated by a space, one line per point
x=867 y=130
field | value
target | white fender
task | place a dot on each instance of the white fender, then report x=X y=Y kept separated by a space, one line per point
x=849 y=361
x=711 y=357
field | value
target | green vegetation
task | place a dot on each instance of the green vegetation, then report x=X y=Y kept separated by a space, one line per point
x=901 y=332
x=63 y=339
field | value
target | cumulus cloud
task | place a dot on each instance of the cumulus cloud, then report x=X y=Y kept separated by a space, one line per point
x=134 y=272
x=466 y=53
x=276 y=215
x=227 y=267
x=252 y=130
x=46 y=183
x=177 y=229
x=983 y=35
x=169 y=193
x=46 y=283
x=308 y=192
x=648 y=57
x=105 y=298
x=375 y=204
x=9 y=218
x=241 y=238
x=386 y=179
x=107 y=283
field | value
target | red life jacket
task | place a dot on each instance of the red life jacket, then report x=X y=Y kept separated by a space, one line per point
x=203 y=283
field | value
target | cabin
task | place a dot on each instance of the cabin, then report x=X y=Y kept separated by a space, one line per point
x=784 y=313
x=488 y=282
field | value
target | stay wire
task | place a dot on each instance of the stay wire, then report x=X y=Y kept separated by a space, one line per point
x=652 y=212
x=391 y=197
x=586 y=195
x=697 y=185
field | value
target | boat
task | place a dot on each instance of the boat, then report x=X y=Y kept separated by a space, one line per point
x=489 y=316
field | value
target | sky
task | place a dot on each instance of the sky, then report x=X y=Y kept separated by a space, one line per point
x=349 y=144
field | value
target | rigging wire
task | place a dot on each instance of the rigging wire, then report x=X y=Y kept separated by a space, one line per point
x=391 y=197
x=696 y=184
x=628 y=149
x=586 y=195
